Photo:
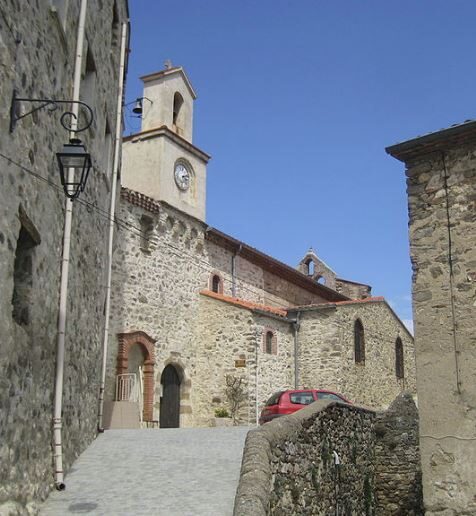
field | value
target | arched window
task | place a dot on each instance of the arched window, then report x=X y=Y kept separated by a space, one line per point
x=399 y=367
x=177 y=119
x=310 y=267
x=270 y=342
x=217 y=284
x=359 y=342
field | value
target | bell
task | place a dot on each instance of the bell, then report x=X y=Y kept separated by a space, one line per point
x=137 y=109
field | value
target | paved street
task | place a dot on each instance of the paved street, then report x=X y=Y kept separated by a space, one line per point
x=166 y=472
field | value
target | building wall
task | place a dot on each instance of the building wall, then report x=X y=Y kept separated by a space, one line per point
x=326 y=340
x=41 y=65
x=157 y=291
x=443 y=230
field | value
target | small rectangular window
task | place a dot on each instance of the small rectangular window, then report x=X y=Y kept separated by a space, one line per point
x=60 y=8
x=88 y=78
x=28 y=239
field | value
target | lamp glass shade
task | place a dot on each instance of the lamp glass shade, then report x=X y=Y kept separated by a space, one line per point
x=74 y=164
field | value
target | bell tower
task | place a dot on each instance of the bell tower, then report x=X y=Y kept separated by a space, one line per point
x=161 y=161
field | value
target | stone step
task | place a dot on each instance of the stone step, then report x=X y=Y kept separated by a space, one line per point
x=121 y=415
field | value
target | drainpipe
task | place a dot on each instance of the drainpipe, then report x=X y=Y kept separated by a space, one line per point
x=257 y=378
x=296 y=326
x=63 y=300
x=112 y=211
x=233 y=270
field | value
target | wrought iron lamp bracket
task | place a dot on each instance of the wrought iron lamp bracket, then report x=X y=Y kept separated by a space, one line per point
x=53 y=104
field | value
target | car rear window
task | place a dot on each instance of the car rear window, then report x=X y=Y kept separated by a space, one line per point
x=274 y=400
x=328 y=396
x=301 y=398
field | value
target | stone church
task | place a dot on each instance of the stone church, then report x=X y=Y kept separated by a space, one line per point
x=193 y=306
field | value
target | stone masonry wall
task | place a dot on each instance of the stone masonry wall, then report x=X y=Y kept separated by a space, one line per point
x=225 y=334
x=326 y=340
x=398 y=489
x=289 y=467
x=156 y=289
x=39 y=65
x=442 y=211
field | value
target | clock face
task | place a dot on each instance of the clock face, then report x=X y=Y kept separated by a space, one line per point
x=182 y=176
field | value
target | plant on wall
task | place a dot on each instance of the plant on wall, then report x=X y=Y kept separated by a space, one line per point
x=235 y=395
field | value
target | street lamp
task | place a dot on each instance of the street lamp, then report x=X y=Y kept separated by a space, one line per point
x=74 y=165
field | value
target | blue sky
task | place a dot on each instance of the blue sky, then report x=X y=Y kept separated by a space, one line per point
x=297 y=101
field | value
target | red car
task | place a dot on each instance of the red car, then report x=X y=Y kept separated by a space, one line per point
x=287 y=402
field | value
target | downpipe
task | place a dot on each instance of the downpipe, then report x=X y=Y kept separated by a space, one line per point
x=296 y=326
x=112 y=211
x=63 y=300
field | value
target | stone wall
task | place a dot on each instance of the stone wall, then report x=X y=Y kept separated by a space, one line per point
x=330 y=330
x=289 y=466
x=441 y=180
x=398 y=488
x=156 y=289
x=39 y=65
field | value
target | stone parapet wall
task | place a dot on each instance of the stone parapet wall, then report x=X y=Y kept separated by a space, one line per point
x=398 y=488
x=289 y=467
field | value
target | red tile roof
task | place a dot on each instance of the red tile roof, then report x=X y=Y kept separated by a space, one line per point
x=340 y=303
x=250 y=305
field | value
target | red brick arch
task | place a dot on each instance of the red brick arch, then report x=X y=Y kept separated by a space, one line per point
x=126 y=340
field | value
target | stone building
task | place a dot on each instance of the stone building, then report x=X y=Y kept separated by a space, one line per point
x=441 y=179
x=38 y=60
x=192 y=305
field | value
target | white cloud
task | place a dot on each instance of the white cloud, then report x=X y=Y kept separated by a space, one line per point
x=409 y=324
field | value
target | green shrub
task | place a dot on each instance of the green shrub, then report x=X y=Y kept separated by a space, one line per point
x=221 y=412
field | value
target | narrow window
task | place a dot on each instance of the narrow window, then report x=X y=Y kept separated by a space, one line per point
x=399 y=367
x=146 y=231
x=60 y=8
x=217 y=284
x=359 y=343
x=269 y=342
x=107 y=154
x=28 y=239
x=310 y=268
x=177 y=118
x=88 y=79
x=114 y=26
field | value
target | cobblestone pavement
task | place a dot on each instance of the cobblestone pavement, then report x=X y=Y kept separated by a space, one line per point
x=163 y=472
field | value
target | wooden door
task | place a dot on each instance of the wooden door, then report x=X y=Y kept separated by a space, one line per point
x=170 y=400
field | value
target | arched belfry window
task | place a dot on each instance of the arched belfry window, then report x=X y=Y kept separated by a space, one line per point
x=177 y=121
x=216 y=284
x=359 y=342
x=270 y=342
x=310 y=267
x=399 y=367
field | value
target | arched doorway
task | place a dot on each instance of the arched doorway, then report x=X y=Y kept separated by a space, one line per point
x=170 y=400
x=138 y=348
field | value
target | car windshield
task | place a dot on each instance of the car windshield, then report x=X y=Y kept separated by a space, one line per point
x=274 y=400
x=301 y=398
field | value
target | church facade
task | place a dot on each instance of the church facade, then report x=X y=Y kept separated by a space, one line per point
x=194 y=310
